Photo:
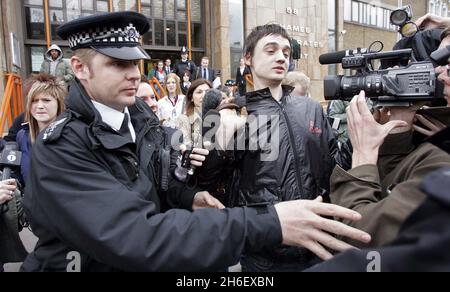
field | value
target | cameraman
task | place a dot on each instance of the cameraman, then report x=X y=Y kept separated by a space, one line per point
x=383 y=184
x=434 y=127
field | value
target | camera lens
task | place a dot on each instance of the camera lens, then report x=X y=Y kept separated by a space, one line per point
x=399 y=17
x=409 y=29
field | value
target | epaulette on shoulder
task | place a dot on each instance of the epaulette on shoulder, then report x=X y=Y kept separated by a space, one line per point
x=55 y=129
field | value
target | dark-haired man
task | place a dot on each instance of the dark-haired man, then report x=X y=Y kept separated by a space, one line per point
x=299 y=134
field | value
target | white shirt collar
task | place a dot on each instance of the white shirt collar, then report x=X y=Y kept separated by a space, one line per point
x=114 y=118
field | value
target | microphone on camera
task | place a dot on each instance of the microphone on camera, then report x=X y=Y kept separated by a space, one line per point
x=336 y=57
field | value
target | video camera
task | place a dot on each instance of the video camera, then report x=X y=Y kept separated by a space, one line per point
x=391 y=87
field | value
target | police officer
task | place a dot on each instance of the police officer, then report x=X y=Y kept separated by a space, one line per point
x=184 y=64
x=98 y=178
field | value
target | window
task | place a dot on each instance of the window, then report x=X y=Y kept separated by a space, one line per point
x=168 y=23
x=236 y=12
x=355 y=11
x=380 y=17
x=438 y=7
x=367 y=14
x=102 y=6
x=124 y=5
x=347 y=12
x=332 y=69
x=431 y=7
x=35 y=20
x=37 y=57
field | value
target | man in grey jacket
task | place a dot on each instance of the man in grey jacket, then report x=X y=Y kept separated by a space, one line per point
x=55 y=65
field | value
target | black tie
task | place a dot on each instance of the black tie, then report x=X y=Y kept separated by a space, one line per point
x=124 y=129
x=204 y=73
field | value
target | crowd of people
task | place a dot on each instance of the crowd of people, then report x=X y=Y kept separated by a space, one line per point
x=189 y=183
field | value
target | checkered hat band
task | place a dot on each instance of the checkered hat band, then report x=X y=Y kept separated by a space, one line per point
x=105 y=36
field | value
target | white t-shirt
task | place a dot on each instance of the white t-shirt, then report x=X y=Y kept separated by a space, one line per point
x=169 y=111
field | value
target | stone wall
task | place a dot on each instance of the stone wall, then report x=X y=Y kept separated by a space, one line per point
x=306 y=21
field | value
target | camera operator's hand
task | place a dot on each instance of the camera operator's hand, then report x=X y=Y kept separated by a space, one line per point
x=406 y=114
x=433 y=126
x=431 y=21
x=302 y=225
x=365 y=133
x=382 y=115
x=7 y=189
x=204 y=200
x=445 y=78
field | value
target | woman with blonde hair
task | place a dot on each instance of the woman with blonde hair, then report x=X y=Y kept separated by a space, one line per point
x=45 y=101
x=171 y=106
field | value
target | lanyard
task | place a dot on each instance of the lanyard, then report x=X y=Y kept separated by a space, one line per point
x=176 y=101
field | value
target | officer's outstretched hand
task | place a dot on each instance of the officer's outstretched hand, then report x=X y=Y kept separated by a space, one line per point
x=204 y=200
x=365 y=133
x=302 y=225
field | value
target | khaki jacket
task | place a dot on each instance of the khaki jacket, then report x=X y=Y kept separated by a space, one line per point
x=386 y=195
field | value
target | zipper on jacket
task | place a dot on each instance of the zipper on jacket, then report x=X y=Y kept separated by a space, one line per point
x=293 y=146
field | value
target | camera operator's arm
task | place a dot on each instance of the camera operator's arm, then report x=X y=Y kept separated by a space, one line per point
x=383 y=203
x=431 y=21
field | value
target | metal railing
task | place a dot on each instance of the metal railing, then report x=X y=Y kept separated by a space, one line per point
x=13 y=102
x=154 y=83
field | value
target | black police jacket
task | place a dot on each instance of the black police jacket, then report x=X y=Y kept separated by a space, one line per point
x=422 y=244
x=301 y=164
x=181 y=67
x=93 y=194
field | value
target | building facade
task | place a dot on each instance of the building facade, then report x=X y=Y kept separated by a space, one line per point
x=217 y=28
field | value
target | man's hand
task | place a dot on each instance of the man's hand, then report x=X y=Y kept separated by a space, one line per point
x=431 y=21
x=406 y=114
x=230 y=122
x=444 y=77
x=204 y=200
x=433 y=126
x=365 y=133
x=302 y=225
x=382 y=115
x=7 y=189
x=198 y=155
